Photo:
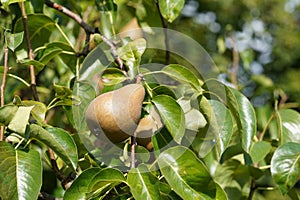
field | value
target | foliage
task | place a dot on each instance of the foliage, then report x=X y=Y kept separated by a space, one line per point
x=215 y=143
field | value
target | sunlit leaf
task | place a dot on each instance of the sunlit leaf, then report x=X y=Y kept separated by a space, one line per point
x=143 y=184
x=38 y=111
x=170 y=9
x=224 y=121
x=20 y=173
x=171 y=114
x=186 y=174
x=285 y=165
x=131 y=53
x=59 y=140
x=20 y=120
x=13 y=40
x=290 y=121
x=244 y=114
x=182 y=74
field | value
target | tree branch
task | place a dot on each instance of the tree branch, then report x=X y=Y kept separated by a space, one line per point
x=2 y=88
x=235 y=63
x=88 y=30
x=165 y=26
x=30 y=52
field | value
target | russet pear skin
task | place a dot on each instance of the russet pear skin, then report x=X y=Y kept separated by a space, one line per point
x=116 y=113
x=147 y=127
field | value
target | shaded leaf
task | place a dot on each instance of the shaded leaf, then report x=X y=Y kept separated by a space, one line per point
x=171 y=114
x=170 y=9
x=163 y=90
x=20 y=173
x=59 y=141
x=143 y=184
x=37 y=64
x=48 y=54
x=186 y=174
x=182 y=74
x=7 y=113
x=285 y=165
x=259 y=150
x=20 y=120
x=106 y=179
x=161 y=139
x=40 y=28
x=92 y=182
x=80 y=186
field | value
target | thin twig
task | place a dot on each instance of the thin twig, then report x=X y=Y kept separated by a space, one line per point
x=33 y=84
x=253 y=187
x=167 y=43
x=3 y=87
x=88 y=30
x=30 y=52
x=235 y=63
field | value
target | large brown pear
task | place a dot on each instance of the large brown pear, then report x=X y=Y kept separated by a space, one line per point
x=116 y=113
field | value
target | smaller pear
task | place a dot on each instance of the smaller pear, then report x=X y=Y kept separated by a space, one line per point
x=116 y=113
x=147 y=127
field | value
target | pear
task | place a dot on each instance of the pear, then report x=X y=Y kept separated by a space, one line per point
x=116 y=113
x=147 y=127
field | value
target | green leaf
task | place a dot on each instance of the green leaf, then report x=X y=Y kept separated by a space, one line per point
x=20 y=120
x=182 y=74
x=7 y=113
x=171 y=114
x=38 y=111
x=224 y=121
x=48 y=54
x=80 y=186
x=68 y=55
x=93 y=182
x=161 y=139
x=131 y=53
x=105 y=180
x=259 y=150
x=186 y=174
x=6 y=3
x=290 y=120
x=143 y=184
x=13 y=40
x=37 y=64
x=161 y=89
x=244 y=114
x=285 y=165
x=20 y=173
x=113 y=76
x=59 y=140
x=40 y=28
x=170 y=9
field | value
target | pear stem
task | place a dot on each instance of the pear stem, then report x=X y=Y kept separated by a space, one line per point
x=133 y=143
